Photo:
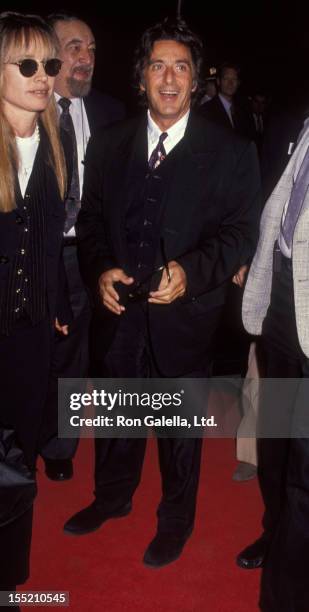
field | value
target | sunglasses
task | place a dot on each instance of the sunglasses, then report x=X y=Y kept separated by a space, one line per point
x=28 y=67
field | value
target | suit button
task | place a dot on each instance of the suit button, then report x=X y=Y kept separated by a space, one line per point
x=19 y=220
x=19 y=271
x=4 y=259
x=16 y=310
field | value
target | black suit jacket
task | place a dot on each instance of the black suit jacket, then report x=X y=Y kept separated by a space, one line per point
x=102 y=109
x=244 y=123
x=280 y=138
x=209 y=221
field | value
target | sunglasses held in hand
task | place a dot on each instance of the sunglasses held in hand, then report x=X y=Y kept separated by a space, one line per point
x=139 y=290
x=28 y=67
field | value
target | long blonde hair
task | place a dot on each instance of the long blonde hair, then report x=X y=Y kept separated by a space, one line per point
x=19 y=32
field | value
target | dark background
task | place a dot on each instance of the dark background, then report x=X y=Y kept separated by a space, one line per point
x=268 y=39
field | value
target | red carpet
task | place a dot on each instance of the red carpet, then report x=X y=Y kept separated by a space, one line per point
x=103 y=571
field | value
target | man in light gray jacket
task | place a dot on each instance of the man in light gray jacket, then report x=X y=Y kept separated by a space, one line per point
x=276 y=306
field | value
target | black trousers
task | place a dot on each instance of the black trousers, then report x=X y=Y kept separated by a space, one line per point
x=284 y=462
x=118 y=462
x=25 y=361
x=15 y=542
x=69 y=360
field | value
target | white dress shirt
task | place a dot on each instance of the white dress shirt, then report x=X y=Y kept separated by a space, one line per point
x=174 y=134
x=27 y=148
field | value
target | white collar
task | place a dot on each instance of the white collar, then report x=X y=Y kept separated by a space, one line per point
x=175 y=132
x=76 y=102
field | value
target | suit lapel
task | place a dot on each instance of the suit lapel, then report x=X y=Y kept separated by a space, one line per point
x=126 y=174
x=91 y=112
x=192 y=164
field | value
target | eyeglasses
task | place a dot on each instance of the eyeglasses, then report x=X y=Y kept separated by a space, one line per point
x=28 y=67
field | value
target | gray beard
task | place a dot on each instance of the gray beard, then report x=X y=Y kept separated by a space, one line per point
x=78 y=89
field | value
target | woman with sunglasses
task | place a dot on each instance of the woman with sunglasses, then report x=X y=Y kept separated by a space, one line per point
x=32 y=188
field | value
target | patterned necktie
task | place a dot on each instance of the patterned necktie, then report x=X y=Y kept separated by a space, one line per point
x=72 y=203
x=297 y=197
x=158 y=154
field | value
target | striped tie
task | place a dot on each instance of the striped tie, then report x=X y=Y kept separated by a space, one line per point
x=72 y=203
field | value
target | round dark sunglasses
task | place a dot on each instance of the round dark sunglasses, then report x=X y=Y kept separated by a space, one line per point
x=28 y=67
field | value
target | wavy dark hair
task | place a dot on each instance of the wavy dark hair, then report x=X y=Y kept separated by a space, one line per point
x=169 y=29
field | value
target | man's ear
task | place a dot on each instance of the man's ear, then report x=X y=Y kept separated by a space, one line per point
x=194 y=86
x=142 y=83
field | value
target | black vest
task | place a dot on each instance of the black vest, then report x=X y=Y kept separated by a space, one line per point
x=144 y=215
x=26 y=289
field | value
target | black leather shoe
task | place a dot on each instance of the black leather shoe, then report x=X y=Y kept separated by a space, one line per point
x=91 y=518
x=253 y=556
x=164 y=549
x=58 y=469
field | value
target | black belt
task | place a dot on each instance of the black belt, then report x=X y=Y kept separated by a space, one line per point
x=70 y=241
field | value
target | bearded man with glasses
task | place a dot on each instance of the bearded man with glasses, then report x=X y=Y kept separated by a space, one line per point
x=81 y=111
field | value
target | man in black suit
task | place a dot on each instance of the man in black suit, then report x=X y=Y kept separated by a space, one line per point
x=226 y=108
x=88 y=110
x=191 y=203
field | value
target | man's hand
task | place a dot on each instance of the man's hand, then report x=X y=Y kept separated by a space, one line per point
x=110 y=297
x=62 y=329
x=240 y=276
x=170 y=290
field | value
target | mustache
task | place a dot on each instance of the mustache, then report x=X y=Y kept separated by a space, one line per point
x=82 y=68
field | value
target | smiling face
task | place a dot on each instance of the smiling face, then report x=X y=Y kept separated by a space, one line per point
x=168 y=81
x=77 y=51
x=23 y=95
